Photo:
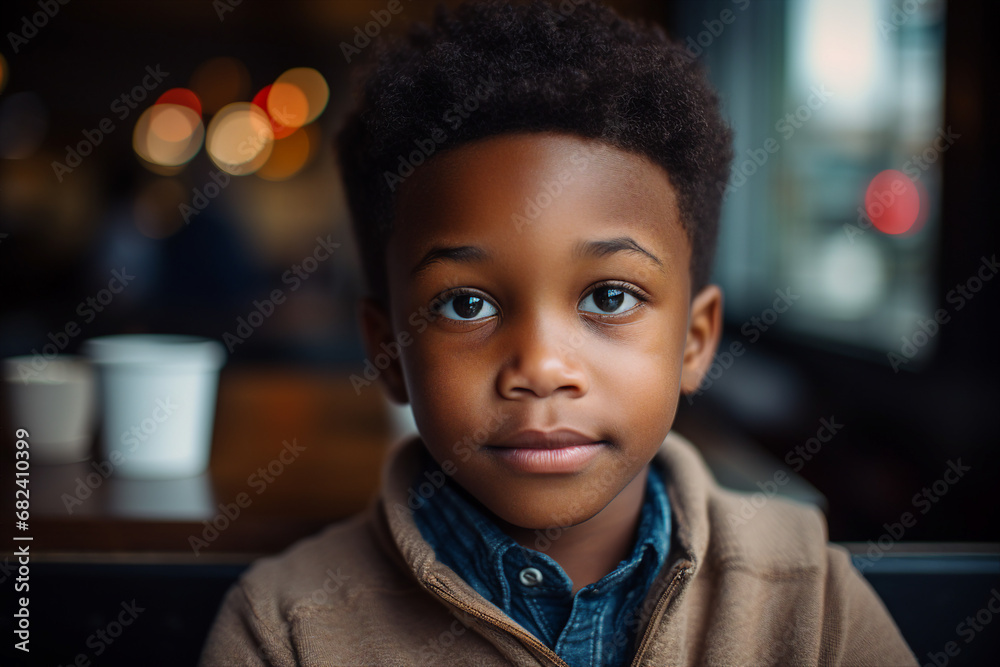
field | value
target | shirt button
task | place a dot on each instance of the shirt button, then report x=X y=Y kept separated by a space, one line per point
x=530 y=576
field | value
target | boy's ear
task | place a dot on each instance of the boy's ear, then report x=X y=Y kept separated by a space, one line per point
x=377 y=331
x=704 y=331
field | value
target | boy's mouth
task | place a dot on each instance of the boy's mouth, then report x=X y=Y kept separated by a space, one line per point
x=562 y=451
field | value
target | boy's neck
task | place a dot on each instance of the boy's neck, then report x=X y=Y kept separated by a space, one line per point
x=590 y=550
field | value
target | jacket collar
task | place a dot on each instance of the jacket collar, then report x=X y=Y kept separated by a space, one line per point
x=688 y=482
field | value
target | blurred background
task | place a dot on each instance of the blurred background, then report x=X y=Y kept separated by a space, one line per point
x=123 y=149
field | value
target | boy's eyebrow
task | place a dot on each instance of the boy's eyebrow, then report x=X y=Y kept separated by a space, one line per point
x=465 y=253
x=610 y=246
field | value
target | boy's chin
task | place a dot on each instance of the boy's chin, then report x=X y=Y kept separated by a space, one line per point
x=543 y=515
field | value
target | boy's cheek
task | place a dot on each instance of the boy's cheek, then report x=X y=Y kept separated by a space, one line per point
x=444 y=390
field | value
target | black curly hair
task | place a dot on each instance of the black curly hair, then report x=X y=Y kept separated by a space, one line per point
x=574 y=67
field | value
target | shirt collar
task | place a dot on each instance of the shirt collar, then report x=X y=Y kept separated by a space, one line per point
x=481 y=553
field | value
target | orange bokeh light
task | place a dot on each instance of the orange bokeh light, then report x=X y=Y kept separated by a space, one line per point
x=287 y=105
x=311 y=85
x=290 y=154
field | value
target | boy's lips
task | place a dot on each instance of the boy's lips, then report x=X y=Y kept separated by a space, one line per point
x=536 y=439
x=553 y=452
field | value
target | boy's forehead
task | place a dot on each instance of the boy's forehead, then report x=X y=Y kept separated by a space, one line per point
x=526 y=175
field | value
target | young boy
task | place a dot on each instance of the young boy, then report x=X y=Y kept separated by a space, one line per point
x=533 y=191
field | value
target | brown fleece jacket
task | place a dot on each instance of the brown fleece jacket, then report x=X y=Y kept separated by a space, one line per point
x=764 y=590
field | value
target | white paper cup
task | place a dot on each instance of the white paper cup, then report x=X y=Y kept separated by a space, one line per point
x=168 y=499
x=158 y=395
x=54 y=400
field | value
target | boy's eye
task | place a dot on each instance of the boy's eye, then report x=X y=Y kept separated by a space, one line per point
x=608 y=300
x=466 y=307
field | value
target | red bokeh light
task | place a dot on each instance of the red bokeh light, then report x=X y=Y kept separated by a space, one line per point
x=260 y=100
x=892 y=201
x=183 y=97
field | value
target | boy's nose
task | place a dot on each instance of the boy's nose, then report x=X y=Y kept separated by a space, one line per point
x=542 y=363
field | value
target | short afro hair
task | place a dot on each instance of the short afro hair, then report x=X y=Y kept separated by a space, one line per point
x=574 y=67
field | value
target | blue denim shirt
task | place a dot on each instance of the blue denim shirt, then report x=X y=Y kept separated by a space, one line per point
x=597 y=626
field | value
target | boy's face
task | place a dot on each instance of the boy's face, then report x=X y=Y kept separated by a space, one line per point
x=540 y=283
